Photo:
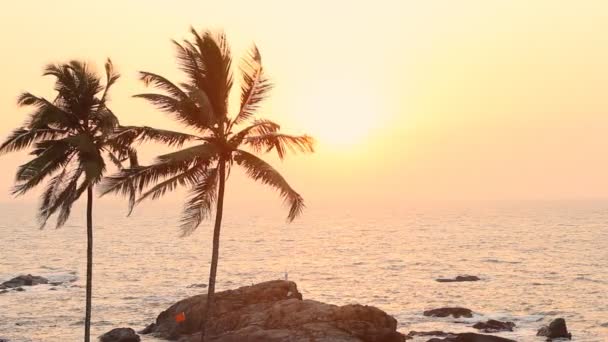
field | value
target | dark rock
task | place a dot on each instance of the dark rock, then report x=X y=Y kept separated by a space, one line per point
x=120 y=335
x=275 y=312
x=149 y=329
x=556 y=329
x=4 y=340
x=430 y=333
x=458 y=279
x=25 y=280
x=197 y=285
x=445 y=312
x=492 y=326
x=2 y=292
x=471 y=337
x=19 y=289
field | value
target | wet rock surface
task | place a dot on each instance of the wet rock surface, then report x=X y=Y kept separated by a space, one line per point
x=120 y=335
x=23 y=280
x=556 y=329
x=463 y=278
x=492 y=326
x=471 y=337
x=455 y=312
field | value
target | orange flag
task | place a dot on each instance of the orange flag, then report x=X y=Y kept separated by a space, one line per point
x=180 y=317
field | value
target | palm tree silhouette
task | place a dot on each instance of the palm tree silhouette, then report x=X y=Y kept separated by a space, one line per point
x=201 y=104
x=70 y=137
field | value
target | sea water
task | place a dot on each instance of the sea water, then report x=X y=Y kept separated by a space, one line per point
x=537 y=261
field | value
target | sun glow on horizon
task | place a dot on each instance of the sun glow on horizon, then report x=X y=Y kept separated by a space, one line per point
x=339 y=114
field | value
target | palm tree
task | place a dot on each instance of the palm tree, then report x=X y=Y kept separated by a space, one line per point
x=201 y=103
x=70 y=137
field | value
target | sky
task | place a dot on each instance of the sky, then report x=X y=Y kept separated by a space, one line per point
x=409 y=100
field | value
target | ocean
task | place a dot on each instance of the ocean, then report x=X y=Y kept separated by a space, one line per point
x=536 y=260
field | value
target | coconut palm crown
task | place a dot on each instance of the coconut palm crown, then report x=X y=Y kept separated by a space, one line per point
x=201 y=104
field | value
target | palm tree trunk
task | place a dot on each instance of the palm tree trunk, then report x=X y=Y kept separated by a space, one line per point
x=87 y=319
x=216 y=250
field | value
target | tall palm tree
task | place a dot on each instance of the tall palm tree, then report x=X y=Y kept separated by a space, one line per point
x=201 y=103
x=70 y=136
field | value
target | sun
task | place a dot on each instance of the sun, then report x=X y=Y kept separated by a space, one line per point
x=339 y=114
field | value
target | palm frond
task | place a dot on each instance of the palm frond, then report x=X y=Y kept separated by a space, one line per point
x=185 y=111
x=263 y=172
x=111 y=77
x=60 y=194
x=282 y=143
x=190 y=63
x=200 y=204
x=127 y=135
x=22 y=138
x=161 y=83
x=46 y=113
x=254 y=86
x=166 y=166
x=187 y=178
x=209 y=68
x=50 y=156
x=259 y=127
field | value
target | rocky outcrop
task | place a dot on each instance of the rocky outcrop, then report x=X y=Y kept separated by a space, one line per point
x=471 y=337
x=556 y=329
x=24 y=280
x=120 y=335
x=492 y=326
x=445 y=312
x=274 y=312
x=458 y=279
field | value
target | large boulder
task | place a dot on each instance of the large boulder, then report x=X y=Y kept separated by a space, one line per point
x=458 y=279
x=556 y=329
x=471 y=337
x=445 y=312
x=274 y=312
x=492 y=326
x=24 y=280
x=120 y=335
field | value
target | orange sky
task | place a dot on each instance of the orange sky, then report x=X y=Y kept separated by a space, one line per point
x=410 y=100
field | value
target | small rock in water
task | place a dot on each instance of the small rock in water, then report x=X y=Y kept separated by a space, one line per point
x=429 y=333
x=4 y=340
x=19 y=289
x=471 y=337
x=120 y=335
x=556 y=329
x=445 y=312
x=197 y=285
x=492 y=326
x=458 y=279
x=24 y=280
